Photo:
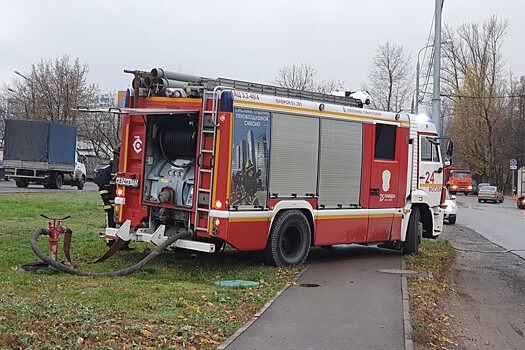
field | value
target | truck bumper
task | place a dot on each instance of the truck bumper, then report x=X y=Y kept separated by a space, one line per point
x=156 y=237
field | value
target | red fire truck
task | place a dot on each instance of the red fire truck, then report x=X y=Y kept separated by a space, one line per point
x=269 y=169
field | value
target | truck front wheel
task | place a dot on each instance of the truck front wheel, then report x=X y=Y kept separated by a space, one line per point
x=22 y=183
x=289 y=240
x=81 y=182
x=414 y=233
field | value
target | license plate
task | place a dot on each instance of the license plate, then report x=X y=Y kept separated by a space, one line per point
x=123 y=181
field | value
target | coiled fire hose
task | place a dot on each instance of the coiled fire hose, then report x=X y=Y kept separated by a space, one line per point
x=127 y=271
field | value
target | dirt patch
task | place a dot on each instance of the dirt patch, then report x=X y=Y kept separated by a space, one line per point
x=487 y=303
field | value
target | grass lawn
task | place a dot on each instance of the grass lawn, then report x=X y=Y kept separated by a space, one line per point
x=430 y=324
x=172 y=303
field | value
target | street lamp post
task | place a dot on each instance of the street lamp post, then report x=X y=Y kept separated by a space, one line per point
x=32 y=92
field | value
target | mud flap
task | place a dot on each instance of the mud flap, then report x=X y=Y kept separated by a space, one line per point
x=121 y=237
x=115 y=247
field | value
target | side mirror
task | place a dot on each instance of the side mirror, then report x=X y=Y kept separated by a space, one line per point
x=450 y=149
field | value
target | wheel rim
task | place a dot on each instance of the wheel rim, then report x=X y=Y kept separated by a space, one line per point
x=291 y=242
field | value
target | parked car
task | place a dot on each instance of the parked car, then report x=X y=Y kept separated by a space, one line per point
x=482 y=184
x=490 y=193
x=451 y=208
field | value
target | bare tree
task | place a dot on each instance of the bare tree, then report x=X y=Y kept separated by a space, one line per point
x=302 y=77
x=101 y=131
x=51 y=90
x=474 y=79
x=514 y=121
x=390 y=78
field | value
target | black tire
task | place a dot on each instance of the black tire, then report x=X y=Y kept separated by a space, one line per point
x=81 y=182
x=22 y=183
x=414 y=233
x=479 y=200
x=46 y=185
x=465 y=193
x=289 y=240
x=452 y=220
x=58 y=181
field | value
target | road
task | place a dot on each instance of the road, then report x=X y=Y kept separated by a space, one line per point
x=10 y=187
x=487 y=281
x=502 y=223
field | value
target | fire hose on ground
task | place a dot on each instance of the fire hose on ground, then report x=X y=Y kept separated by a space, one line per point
x=127 y=271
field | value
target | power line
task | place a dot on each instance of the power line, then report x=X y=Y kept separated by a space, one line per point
x=427 y=74
x=481 y=97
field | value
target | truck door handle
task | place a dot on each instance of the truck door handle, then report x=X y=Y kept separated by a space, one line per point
x=438 y=171
x=374 y=191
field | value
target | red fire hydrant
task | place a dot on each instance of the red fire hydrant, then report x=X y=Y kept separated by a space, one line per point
x=54 y=230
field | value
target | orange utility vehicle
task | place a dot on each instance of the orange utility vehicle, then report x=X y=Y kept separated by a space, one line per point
x=458 y=180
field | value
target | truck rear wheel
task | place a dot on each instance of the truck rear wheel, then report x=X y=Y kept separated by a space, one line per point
x=289 y=240
x=22 y=183
x=414 y=233
x=58 y=181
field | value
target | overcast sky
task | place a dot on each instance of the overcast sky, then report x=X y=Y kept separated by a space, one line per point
x=240 y=39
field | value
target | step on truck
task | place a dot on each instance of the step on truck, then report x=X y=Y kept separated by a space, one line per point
x=271 y=170
x=43 y=153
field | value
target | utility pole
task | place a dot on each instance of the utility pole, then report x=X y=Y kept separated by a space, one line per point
x=436 y=101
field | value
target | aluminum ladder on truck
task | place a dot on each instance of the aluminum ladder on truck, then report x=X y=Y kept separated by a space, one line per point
x=206 y=159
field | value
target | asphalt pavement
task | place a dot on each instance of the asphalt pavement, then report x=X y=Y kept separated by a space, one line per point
x=349 y=297
x=10 y=187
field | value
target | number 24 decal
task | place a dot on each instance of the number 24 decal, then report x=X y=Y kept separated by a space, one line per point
x=429 y=178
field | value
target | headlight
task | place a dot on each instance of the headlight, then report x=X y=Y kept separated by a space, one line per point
x=454 y=187
x=470 y=187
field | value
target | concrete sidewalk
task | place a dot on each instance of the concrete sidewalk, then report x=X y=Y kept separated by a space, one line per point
x=354 y=306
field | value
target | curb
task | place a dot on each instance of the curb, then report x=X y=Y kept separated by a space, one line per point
x=258 y=314
x=407 y=323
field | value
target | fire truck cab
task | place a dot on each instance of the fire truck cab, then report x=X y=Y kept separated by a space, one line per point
x=270 y=169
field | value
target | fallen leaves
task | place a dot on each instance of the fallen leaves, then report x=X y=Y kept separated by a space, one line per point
x=430 y=324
